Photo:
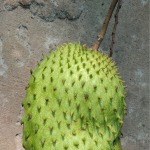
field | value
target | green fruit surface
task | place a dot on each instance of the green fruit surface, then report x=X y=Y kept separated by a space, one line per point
x=75 y=100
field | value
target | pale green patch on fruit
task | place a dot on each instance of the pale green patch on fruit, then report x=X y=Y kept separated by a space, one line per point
x=75 y=100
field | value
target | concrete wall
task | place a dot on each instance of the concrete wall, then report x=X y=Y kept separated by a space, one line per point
x=30 y=28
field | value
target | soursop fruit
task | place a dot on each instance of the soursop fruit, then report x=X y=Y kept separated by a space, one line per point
x=75 y=100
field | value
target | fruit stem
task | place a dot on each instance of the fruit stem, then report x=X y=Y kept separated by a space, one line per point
x=101 y=34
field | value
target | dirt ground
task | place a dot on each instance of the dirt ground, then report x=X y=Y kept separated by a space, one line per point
x=30 y=28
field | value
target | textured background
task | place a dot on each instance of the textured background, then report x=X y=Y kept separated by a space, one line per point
x=29 y=28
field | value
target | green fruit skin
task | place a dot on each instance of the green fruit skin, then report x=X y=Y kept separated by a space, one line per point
x=75 y=100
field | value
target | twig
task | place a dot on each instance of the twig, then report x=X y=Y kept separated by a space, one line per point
x=114 y=27
x=105 y=25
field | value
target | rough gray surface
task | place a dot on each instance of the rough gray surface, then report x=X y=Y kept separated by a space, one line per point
x=48 y=10
x=30 y=28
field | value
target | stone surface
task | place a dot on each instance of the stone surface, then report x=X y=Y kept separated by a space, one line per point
x=27 y=31
x=48 y=10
